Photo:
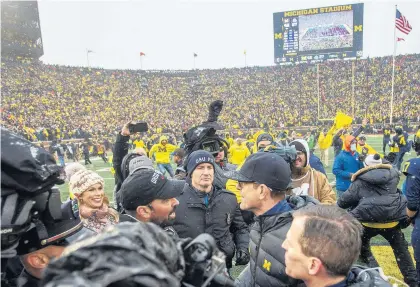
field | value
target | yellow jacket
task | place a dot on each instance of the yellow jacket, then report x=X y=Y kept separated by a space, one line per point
x=162 y=152
x=323 y=141
x=370 y=150
x=230 y=141
x=238 y=153
x=139 y=143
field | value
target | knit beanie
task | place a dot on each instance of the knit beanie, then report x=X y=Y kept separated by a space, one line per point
x=372 y=160
x=72 y=168
x=84 y=179
x=198 y=157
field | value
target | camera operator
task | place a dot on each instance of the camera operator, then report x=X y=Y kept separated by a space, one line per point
x=205 y=208
x=36 y=253
x=263 y=180
x=30 y=205
x=321 y=246
x=146 y=256
x=148 y=196
x=204 y=137
x=128 y=254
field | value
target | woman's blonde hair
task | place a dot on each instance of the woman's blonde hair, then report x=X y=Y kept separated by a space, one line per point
x=111 y=210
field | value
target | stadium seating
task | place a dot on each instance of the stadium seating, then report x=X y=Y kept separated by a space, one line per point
x=47 y=101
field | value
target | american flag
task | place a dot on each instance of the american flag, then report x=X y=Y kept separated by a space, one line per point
x=402 y=24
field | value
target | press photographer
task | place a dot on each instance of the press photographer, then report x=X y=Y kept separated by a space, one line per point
x=206 y=208
x=204 y=137
x=138 y=254
x=32 y=218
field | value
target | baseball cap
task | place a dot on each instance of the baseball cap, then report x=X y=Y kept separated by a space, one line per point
x=141 y=188
x=265 y=168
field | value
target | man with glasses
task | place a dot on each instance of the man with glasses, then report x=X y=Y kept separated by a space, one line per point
x=263 y=181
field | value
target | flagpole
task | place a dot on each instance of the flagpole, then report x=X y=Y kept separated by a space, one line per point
x=245 y=58
x=317 y=72
x=87 y=57
x=352 y=87
x=194 y=61
x=141 y=62
x=393 y=68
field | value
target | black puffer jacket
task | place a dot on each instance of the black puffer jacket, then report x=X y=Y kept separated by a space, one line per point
x=221 y=218
x=267 y=264
x=373 y=195
x=119 y=152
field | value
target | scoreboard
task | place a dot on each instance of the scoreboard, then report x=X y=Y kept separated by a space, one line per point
x=318 y=34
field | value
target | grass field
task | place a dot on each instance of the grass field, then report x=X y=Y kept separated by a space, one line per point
x=381 y=250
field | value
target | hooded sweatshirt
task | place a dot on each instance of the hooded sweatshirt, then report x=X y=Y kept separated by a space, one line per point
x=312 y=182
x=162 y=152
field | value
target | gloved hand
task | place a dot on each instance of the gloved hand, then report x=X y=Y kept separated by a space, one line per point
x=214 y=110
x=242 y=257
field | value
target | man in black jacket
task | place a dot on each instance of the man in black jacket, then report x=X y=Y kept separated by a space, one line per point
x=376 y=202
x=263 y=181
x=148 y=196
x=204 y=208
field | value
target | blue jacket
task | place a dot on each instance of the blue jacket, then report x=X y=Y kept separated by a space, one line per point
x=345 y=164
x=412 y=170
x=316 y=163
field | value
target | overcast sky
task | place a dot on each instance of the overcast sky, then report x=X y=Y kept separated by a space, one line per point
x=169 y=32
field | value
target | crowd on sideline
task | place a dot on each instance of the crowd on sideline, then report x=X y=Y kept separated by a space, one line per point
x=46 y=102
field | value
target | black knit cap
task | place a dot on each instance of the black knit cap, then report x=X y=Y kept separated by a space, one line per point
x=198 y=157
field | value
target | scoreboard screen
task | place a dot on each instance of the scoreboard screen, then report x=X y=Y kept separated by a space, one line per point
x=318 y=34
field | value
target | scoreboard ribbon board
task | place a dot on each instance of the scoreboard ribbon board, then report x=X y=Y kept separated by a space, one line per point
x=318 y=34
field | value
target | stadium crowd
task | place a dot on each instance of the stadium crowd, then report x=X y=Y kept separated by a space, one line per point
x=46 y=102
